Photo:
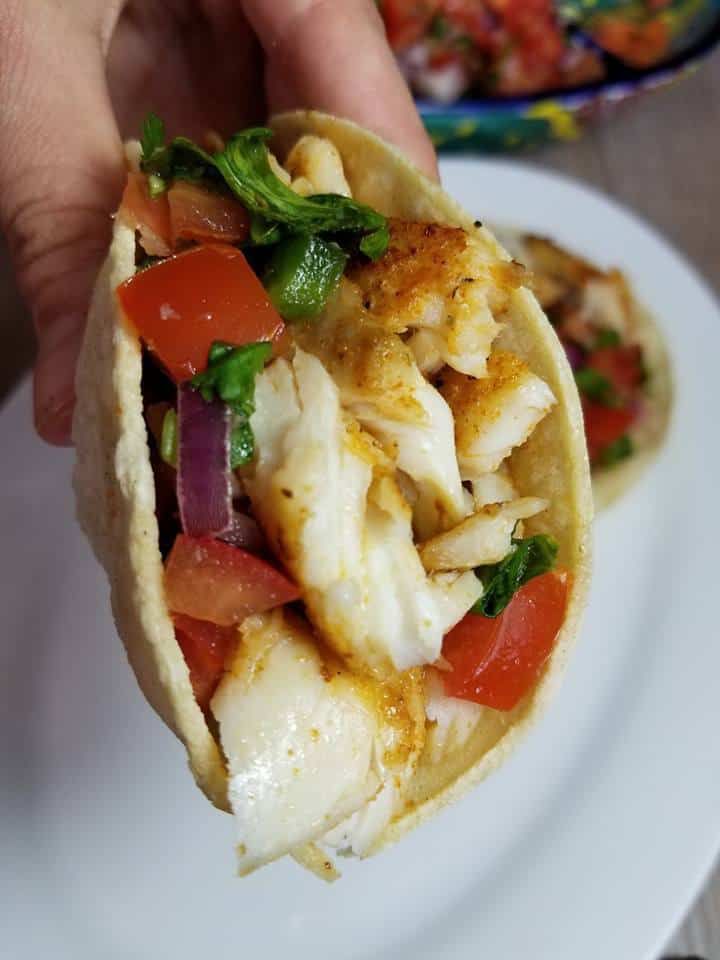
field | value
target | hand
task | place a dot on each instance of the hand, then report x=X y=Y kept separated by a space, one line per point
x=76 y=78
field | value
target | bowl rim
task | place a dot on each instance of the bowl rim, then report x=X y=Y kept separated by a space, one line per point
x=574 y=96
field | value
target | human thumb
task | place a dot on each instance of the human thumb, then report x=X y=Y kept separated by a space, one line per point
x=60 y=176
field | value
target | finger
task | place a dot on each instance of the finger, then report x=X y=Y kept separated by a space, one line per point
x=60 y=173
x=335 y=57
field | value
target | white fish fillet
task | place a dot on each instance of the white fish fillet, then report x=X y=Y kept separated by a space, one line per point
x=299 y=745
x=325 y=496
x=495 y=414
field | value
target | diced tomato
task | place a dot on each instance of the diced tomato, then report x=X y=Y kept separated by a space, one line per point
x=637 y=44
x=407 y=20
x=198 y=214
x=533 y=24
x=495 y=662
x=206 y=647
x=604 y=425
x=207 y=293
x=621 y=365
x=473 y=20
x=442 y=57
x=211 y=580
x=150 y=216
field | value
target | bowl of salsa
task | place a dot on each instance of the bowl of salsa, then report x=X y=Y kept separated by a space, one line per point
x=500 y=75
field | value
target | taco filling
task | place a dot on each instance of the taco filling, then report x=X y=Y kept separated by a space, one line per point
x=330 y=423
x=618 y=365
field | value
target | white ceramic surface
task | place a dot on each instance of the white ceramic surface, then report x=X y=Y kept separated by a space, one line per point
x=589 y=843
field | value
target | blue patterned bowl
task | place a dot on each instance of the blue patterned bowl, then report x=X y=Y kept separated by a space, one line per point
x=501 y=125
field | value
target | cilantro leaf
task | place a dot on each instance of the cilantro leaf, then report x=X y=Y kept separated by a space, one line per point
x=607 y=337
x=276 y=210
x=596 y=386
x=530 y=557
x=439 y=27
x=230 y=375
x=618 y=450
x=246 y=170
x=152 y=140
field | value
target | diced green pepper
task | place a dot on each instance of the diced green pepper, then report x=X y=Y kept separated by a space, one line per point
x=156 y=186
x=169 y=438
x=242 y=444
x=302 y=273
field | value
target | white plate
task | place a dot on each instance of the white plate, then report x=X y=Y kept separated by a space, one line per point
x=588 y=844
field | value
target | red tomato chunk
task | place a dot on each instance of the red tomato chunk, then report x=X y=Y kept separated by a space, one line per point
x=211 y=580
x=621 y=365
x=206 y=647
x=180 y=306
x=198 y=214
x=495 y=662
x=150 y=216
x=603 y=426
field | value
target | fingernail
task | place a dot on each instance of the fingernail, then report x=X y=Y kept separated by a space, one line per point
x=59 y=342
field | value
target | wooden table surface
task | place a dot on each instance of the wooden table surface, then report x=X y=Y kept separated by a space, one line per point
x=661 y=157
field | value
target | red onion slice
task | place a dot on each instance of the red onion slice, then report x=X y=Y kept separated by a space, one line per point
x=244 y=532
x=203 y=477
x=575 y=354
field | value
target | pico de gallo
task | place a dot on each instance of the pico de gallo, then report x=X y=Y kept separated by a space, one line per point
x=448 y=48
x=592 y=312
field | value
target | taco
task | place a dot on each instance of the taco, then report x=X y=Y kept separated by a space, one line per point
x=617 y=353
x=330 y=454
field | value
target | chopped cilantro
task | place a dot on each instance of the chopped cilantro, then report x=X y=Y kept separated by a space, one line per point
x=596 y=386
x=230 y=375
x=276 y=210
x=618 y=450
x=607 y=337
x=528 y=558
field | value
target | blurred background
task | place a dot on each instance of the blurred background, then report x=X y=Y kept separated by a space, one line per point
x=622 y=95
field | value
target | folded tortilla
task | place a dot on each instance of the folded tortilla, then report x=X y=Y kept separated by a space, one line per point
x=116 y=494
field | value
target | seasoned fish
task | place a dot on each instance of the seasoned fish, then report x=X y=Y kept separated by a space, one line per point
x=335 y=515
x=495 y=414
x=307 y=743
x=441 y=280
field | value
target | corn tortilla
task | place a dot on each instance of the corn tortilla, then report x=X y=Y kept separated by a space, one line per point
x=116 y=494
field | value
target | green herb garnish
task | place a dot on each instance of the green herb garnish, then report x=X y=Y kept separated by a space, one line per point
x=230 y=375
x=618 y=450
x=596 y=386
x=246 y=170
x=169 y=438
x=302 y=273
x=528 y=558
x=439 y=27
x=277 y=211
x=156 y=185
x=607 y=337
x=152 y=142
x=242 y=444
